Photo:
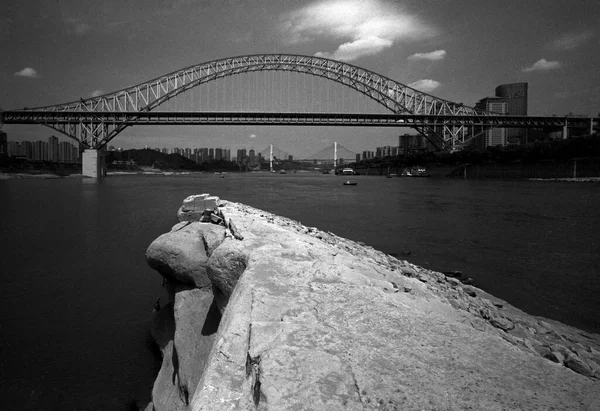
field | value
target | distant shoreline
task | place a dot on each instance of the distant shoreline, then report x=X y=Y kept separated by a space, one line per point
x=49 y=176
x=570 y=179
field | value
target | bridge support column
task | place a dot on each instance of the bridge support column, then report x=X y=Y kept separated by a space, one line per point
x=94 y=163
x=565 y=132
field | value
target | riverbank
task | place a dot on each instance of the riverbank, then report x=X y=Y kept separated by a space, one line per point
x=6 y=176
x=315 y=321
x=570 y=180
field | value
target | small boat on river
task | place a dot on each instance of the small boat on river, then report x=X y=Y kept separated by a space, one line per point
x=350 y=183
x=415 y=172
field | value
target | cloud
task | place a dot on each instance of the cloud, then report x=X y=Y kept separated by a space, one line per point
x=433 y=56
x=362 y=47
x=570 y=41
x=361 y=27
x=78 y=26
x=542 y=65
x=27 y=72
x=96 y=93
x=425 y=85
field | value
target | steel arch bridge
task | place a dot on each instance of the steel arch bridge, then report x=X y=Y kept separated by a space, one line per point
x=96 y=121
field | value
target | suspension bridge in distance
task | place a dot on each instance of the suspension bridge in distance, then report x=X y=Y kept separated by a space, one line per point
x=330 y=155
x=309 y=91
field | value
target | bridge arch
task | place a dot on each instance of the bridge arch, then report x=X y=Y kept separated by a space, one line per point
x=394 y=96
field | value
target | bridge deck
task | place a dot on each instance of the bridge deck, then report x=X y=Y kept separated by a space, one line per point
x=292 y=119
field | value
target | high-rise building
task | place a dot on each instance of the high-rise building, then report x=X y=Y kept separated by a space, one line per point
x=241 y=155
x=27 y=149
x=410 y=142
x=368 y=154
x=12 y=148
x=386 y=151
x=67 y=153
x=40 y=151
x=494 y=136
x=3 y=143
x=53 y=149
x=515 y=95
x=36 y=154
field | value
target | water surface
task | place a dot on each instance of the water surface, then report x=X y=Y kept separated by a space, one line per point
x=77 y=294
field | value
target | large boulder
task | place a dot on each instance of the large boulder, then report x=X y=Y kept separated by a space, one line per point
x=184 y=330
x=163 y=327
x=182 y=254
x=225 y=267
x=165 y=394
x=196 y=322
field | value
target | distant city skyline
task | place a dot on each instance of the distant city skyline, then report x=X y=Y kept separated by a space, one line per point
x=52 y=150
x=65 y=51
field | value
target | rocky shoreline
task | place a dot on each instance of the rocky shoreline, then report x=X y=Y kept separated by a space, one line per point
x=265 y=313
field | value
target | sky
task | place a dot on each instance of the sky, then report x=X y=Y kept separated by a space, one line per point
x=56 y=51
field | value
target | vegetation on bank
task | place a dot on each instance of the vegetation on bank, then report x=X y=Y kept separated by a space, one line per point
x=535 y=152
x=21 y=165
x=134 y=159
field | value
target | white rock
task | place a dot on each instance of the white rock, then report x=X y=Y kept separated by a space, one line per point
x=195 y=202
x=210 y=203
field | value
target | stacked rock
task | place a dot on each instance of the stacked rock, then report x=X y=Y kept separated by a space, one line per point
x=205 y=209
x=199 y=207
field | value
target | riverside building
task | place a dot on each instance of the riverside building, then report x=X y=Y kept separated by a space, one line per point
x=411 y=142
x=3 y=143
x=494 y=136
x=53 y=151
x=515 y=96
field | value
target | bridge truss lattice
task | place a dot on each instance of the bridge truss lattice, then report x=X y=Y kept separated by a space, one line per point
x=93 y=121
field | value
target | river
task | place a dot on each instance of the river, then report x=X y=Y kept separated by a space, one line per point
x=77 y=295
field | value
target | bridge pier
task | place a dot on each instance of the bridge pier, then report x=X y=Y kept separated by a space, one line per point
x=93 y=163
